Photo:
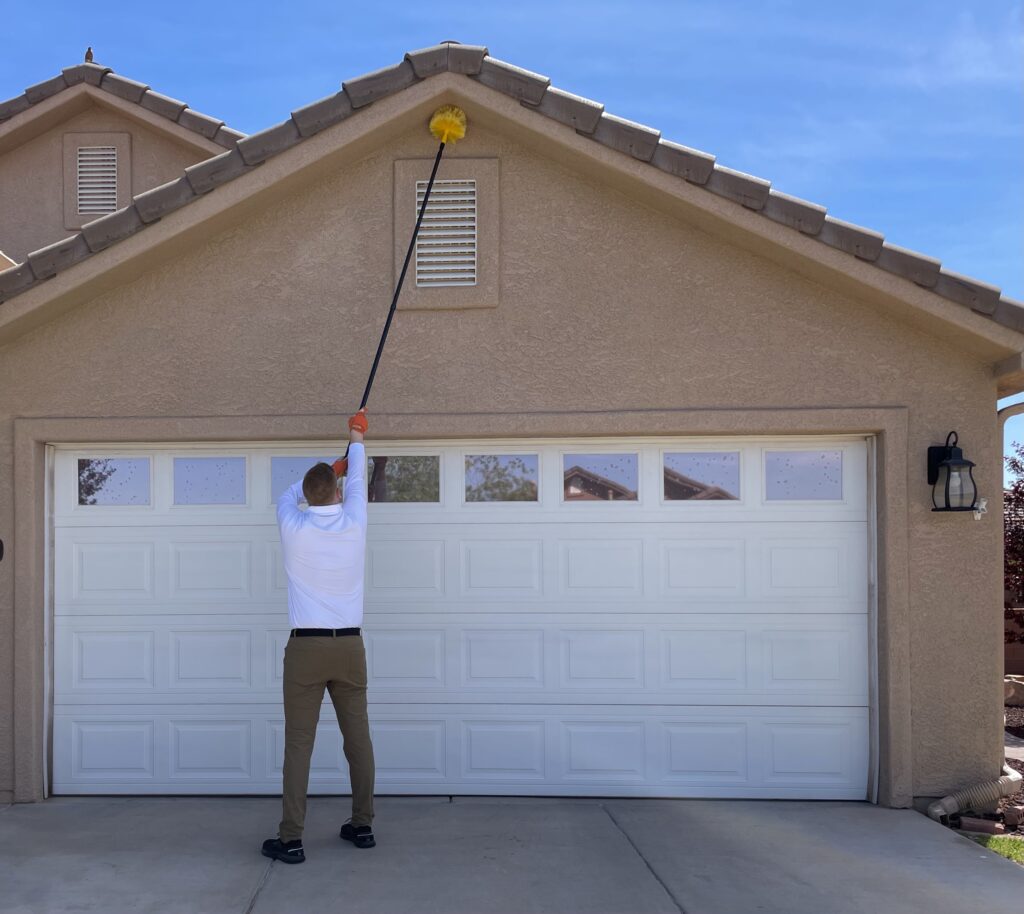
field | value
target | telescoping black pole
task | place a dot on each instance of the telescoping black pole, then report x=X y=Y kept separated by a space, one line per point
x=448 y=124
x=401 y=279
x=398 y=287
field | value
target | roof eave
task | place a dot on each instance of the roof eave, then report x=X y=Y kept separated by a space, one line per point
x=57 y=109
x=285 y=153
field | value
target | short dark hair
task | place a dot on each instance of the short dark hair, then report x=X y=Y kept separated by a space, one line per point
x=320 y=485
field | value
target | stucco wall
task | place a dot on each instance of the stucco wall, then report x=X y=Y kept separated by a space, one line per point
x=606 y=305
x=32 y=176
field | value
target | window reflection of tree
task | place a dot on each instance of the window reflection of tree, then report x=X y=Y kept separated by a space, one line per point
x=404 y=479
x=93 y=474
x=494 y=477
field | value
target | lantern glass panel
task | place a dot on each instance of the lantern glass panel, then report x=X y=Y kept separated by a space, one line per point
x=961 y=487
x=963 y=492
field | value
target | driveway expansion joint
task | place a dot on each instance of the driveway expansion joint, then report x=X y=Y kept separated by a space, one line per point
x=259 y=888
x=639 y=853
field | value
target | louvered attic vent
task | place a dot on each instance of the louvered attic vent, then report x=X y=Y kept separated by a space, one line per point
x=446 y=245
x=97 y=179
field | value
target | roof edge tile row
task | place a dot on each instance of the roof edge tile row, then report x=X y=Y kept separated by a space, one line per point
x=128 y=90
x=588 y=118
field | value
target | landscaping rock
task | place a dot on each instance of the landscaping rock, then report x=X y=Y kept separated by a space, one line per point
x=1013 y=816
x=1013 y=690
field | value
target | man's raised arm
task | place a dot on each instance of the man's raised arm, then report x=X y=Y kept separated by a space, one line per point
x=354 y=504
x=354 y=468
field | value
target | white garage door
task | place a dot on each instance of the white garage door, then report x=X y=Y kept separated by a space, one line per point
x=670 y=618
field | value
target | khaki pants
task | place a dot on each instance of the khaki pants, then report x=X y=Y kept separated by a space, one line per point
x=310 y=666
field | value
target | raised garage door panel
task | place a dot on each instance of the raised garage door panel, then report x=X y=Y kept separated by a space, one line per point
x=645 y=646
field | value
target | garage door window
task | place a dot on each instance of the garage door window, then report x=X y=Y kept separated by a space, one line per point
x=702 y=476
x=209 y=480
x=599 y=477
x=803 y=475
x=284 y=471
x=106 y=481
x=406 y=478
x=502 y=477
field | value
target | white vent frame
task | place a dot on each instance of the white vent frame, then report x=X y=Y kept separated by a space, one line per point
x=96 y=172
x=447 y=247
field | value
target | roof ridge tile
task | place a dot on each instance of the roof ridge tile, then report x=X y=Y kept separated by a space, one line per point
x=15 y=280
x=91 y=73
x=802 y=215
x=131 y=90
x=13 y=106
x=1008 y=311
x=227 y=137
x=918 y=268
x=199 y=123
x=466 y=59
x=862 y=243
x=109 y=229
x=323 y=113
x=581 y=114
x=507 y=78
x=738 y=186
x=210 y=173
x=966 y=290
x=40 y=92
x=157 y=202
x=430 y=61
x=693 y=165
x=258 y=147
x=371 y=87
x=636 y=140
x=51 y=260
x=163 y=105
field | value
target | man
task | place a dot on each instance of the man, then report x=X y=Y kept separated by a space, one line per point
x=324 y=549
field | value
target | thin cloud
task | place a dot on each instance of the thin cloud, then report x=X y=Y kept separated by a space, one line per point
x=968 y=56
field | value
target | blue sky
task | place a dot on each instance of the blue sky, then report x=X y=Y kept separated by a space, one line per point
x=907 y=116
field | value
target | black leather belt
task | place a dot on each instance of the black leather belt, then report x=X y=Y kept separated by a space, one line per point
x=324 y=632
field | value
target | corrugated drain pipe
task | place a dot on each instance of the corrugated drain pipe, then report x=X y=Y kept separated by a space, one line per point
x=978 y=796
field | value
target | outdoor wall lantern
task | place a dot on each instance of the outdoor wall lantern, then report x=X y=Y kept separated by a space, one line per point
x=949 y=475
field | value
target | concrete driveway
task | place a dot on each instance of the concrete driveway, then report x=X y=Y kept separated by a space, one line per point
x=494 y=856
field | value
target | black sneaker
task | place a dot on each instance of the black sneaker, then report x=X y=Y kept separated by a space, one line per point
x=285 y=851
x=359 y=835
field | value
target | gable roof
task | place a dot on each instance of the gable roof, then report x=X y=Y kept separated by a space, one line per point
x=127 y=90
x=534 y=92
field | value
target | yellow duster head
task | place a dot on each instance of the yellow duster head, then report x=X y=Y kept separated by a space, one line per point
x=448 y=123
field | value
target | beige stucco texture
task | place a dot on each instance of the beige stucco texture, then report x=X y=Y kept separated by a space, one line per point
x=616 y=317
x=32 y=209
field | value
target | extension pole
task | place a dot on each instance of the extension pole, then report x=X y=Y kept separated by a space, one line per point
x=401 y=280
x=447 y=124
x=398 y=288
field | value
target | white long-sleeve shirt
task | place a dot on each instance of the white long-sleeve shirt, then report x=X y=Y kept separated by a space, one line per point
x=324 y=552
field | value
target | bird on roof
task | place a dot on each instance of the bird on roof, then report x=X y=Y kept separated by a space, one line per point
x=88 y=55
